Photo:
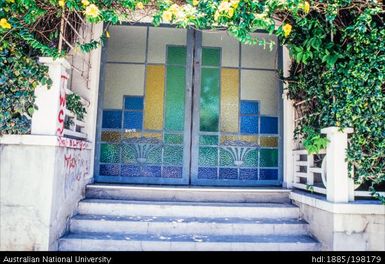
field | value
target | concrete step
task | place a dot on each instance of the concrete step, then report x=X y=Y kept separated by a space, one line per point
x=187 y=209
x=140 y=242
x=188 y=194
x=187 y=226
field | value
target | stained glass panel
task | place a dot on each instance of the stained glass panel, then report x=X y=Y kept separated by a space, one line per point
x=133 y=120
x=173 y=155
x=173 y=139
x=249 y=124
x=109 y=153
x=133 y=102
x=112 y=119
x=153 y=112
x=109 y=170
x=228 y=173
x=269 y=125
x=209 y=101
x=172 y=172
x=109 y=136
x=211 y=56
x=208 y=140
x=268 y=158
x=176 y=55
x=207 y=173
x=229 y=100
x=208 y=156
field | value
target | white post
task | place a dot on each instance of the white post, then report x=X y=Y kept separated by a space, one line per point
x=339 y=185
x=49 y=118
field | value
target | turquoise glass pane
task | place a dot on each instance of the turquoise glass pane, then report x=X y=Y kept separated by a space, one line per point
x=173 y=155
x=211 y=56
x=128 y=154
x=209 y=101
x=109 y=153
x=268 y=158
x=175 y=96
x=251 y=159
x=208 y=156
x=155 y=156
x=176 y=55
x=225 y=158
x=208 y=140
x=173 y=139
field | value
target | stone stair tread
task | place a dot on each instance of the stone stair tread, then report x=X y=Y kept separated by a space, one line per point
x=192 y=238
x=219 y=220
x=181 y=203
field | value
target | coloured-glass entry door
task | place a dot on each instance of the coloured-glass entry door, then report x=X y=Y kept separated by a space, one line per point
x=226 y=132
x=145 y=128
x=236 y=123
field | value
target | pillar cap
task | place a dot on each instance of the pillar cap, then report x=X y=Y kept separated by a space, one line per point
x=333 y=130
x=51 y=60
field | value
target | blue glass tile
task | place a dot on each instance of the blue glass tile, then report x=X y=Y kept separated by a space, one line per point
x=249 y=107
x=137 y=171
x=228 y=173
x=268 y=174
x=172 y=172
x=207 y=173
x=112 y=119
x=248 y=174
x=249 y=124
x=109 y=170
x=133 y=103
x=269 y=125
x=130 y=171
x=133 y=120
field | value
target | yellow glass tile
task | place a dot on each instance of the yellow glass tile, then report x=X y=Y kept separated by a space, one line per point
x=109 y=136
x=229 y=100
x=228 y=138
x=153 y=135
x=153 y=109
x=131 y=135
x=252 y=139
x=269 y=142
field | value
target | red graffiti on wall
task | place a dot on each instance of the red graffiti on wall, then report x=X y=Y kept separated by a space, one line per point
x=72 y=143
x=76 y=168
x=62 y=104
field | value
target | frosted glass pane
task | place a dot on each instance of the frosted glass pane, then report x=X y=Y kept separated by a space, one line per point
x=256 y=56
x=122 y=79
x=127 y=44
x=153 y=112
x=229 y=45
x=229 y=100
x=261 y=86
x=159 y=38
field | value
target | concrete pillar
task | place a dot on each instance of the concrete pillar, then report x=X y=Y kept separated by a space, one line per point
x=339 y=186
x=49 y=118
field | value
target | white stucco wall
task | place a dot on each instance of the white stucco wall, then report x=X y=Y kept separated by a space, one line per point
x=355 y=226
x=41 y=183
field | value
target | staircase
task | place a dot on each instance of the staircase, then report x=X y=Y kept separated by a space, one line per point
x=140 y=218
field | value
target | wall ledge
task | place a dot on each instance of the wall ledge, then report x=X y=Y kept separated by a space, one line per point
x=363 y=207
x=42 y=140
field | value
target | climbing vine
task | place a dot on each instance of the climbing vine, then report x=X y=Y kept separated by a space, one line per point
x=337 y=47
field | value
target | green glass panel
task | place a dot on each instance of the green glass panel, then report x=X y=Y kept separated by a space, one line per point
x=173 y=155
x=128 y=154
x=211 y=56
x=225 y=158
x=173 y=139
x=109 y=153
x=208 y=156
x=208 y=140
x=155 y=156
x=251 y=159
x=268 y=158
x=175 y=96
x=176 y=55
x=209 y=101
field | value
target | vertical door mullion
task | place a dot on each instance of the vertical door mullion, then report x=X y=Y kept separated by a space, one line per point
x=196 y=106
x=188 y=106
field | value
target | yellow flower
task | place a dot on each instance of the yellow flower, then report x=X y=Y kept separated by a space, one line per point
x=167 y=16
x=234 y=3
x=174 y=9
x=195 y=2
x=231 y=12
x=107 y=34
x=286 y=30
x=92 y=10
x=10 y=1
x=61 y=3
x=224 y=6
x=85 y=2
x=139 y=5
x=306 y=7
x=4 y=24
x=216 y=15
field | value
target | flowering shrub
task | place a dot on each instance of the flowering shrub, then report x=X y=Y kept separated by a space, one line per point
x=337 y=47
